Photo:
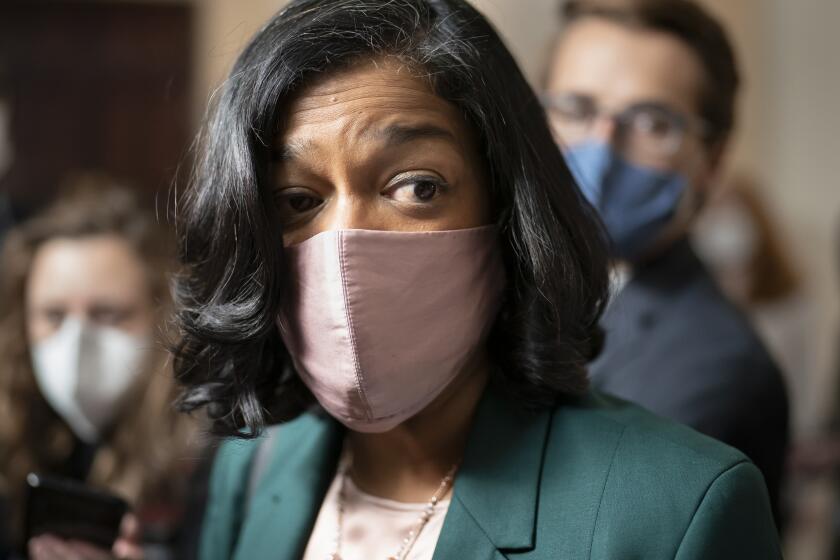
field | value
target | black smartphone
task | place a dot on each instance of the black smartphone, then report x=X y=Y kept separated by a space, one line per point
x=72 y=510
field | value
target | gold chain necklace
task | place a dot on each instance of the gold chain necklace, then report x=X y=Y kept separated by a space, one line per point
x=409 y=540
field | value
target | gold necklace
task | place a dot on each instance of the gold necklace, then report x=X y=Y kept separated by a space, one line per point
x=409 y=540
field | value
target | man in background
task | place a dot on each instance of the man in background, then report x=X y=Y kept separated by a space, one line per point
x=641 y=97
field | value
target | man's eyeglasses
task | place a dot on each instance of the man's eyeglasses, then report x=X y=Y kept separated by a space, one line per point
x=643 y=131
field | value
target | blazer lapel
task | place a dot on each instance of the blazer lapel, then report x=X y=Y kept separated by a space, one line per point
x=494 y=504
x=463 y=537
x=287 y=500
x=577 y=466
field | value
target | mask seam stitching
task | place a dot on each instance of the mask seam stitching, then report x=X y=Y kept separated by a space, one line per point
x=356 y=366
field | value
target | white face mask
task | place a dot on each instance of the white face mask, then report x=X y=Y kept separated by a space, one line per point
x=726 y=237
x=83 y=371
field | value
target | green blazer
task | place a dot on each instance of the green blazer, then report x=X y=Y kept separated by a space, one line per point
x=597 y=479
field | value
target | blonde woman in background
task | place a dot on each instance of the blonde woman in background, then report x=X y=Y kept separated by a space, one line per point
x=85 y=389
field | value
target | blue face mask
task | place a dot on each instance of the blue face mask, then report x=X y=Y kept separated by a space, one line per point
x=635 y=203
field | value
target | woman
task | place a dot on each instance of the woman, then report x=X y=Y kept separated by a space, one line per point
x=385 y=253
x=82 y=391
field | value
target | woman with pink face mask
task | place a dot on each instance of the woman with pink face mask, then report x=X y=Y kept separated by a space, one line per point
x=83 y=389
x=385 y=258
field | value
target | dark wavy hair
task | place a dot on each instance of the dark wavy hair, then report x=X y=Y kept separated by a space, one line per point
x=230 y=357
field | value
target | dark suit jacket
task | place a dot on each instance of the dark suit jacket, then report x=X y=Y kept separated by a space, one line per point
x=597 y=479
x=678 y=347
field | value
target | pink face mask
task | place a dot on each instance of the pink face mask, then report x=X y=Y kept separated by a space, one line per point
x=379 y=323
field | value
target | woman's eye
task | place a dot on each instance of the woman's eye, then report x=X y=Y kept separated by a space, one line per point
x=109 y=316
x=293 y=203
x=54 y=316
x=302 y=203
x=425 y=190
x=417 y=190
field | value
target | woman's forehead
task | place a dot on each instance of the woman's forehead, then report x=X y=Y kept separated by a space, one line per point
x=345 y=83
x=366 y=99
x=85 y=269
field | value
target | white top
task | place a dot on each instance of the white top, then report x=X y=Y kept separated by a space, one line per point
x=373 y=527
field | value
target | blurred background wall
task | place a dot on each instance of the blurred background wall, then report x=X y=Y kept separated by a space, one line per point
x=94 y=85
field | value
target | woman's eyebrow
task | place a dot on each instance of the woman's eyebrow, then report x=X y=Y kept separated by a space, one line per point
x=401 y=134
x=390 y=135
x=290 y=151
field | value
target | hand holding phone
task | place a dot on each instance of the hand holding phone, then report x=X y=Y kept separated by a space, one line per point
x=72 y=511
x=127 y=546
x=50 y=547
